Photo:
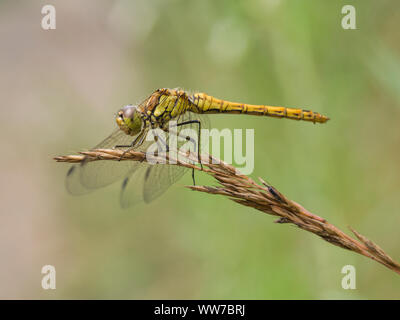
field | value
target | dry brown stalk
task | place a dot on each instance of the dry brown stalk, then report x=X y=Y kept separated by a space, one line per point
x=245 y=191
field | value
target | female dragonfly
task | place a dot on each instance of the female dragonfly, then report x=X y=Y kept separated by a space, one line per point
x=142 y=180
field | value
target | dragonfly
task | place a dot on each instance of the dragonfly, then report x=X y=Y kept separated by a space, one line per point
x=146 y=181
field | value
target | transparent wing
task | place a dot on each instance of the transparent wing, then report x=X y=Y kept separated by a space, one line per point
x=132 y=185
x=86 y=176
x=159 y=178
x=149 y=181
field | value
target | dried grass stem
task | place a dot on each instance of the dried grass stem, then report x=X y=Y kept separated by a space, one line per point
x=263 y=197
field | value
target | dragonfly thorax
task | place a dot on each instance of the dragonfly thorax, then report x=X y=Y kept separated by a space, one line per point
x=129 y=120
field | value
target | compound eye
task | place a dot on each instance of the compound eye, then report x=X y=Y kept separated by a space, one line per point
x=128 y=111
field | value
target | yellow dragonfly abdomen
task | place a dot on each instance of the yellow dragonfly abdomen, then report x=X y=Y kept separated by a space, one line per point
x=203 y=103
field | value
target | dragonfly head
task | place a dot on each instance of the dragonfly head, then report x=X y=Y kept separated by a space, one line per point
x=129 y=120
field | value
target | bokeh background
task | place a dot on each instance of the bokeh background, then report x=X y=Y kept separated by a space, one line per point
x=61 y=88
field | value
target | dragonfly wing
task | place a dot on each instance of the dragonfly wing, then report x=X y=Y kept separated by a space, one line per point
x=142 y=181
x=159 y=178
x=148 y=182
x=73 y=181
x=86 y=176
x=151 y=180
x=131 y=187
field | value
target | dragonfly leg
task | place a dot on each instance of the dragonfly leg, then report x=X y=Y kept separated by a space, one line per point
x=198 y=142
x=135 y=143
x=198 y=137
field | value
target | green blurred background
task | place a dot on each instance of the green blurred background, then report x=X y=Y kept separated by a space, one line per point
x=61 y=88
